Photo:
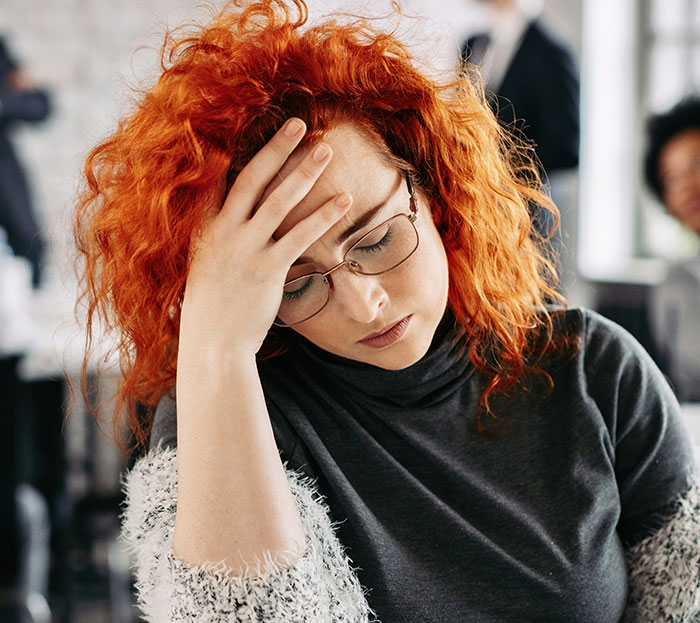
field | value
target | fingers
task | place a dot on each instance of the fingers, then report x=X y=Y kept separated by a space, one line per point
x=254 y=183
x=263 y=167
x=310 y=229
x=279 y=203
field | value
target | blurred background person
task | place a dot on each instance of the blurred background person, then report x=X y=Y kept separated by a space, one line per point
x=20 y=100
x=532 y=82
x=672 y=169
x=24 y=522
x=532 y=79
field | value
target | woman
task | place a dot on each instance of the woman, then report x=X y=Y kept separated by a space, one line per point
x=672 y=168
x=326 y=260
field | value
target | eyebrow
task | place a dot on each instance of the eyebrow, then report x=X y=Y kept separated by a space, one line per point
x=361 y=222
x=354 y=227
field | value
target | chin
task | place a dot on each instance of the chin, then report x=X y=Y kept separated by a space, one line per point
x=404 y=356
x=410 y=350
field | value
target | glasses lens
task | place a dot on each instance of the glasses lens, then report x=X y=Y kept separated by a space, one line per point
x=302 y=298
x=384 y=247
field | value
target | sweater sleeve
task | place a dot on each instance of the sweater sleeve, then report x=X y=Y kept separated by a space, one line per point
x=657 y=477
x=664 y=568
x=320 y=586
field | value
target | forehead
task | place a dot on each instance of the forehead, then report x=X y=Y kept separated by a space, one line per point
x=358 y=166
x=682 y=146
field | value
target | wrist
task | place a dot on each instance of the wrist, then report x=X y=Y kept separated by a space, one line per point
x=214 y=360
x=213 y=341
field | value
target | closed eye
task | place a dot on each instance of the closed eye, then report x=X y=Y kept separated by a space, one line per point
x=375 y=240
x=297 y=288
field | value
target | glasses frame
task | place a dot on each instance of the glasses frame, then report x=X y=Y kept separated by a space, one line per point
x=351 y=265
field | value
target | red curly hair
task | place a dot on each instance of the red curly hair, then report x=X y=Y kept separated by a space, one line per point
x=225 y=88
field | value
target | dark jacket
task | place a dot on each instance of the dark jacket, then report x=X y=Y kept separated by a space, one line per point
x=539 y=95
x=16 y=215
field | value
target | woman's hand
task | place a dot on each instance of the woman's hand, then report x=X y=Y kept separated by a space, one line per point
x=234 y=502
x=235 y=281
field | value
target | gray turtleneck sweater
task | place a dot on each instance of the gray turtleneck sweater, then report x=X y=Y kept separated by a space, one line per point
x=537 y=523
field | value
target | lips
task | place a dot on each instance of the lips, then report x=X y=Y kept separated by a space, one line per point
x=387 y=335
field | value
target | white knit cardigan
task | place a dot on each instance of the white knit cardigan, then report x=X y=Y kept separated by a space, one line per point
x=321 y=587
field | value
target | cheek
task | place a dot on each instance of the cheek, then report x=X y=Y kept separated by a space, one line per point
x=418 y=282
x=432 y=263
x=319 y=332
x=674 y=204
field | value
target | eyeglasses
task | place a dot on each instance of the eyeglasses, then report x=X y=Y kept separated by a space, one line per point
x=380 y=250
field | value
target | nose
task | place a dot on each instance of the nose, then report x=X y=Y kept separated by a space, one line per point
x=360 y=297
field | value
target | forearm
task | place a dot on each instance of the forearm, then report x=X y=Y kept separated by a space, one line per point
x=320 y=586
x=234 y=504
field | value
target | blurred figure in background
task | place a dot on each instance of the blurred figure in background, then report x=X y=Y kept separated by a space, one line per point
x=532 y=79
x=672 y=169
x=533 y=86
x=20 y=100
x=24 y=523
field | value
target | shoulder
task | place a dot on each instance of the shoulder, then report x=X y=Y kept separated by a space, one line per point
x=678 y=290
x=594 y=331
x=539 y=40
x=539 y=33
x=686 y=273
x=614 y=371
x=608 y=359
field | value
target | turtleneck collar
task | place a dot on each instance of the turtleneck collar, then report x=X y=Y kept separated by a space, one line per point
x=427 y=382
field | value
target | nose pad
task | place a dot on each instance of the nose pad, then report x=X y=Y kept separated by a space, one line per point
x=360 y=296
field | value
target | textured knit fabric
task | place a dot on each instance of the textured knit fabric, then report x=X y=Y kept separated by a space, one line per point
x=537 y=524
x=664 y=578
x=320 y=587
x=664 y=568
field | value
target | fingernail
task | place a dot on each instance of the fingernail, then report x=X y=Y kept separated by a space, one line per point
x=343 y=199
x=321 y=152
x=293 y=127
